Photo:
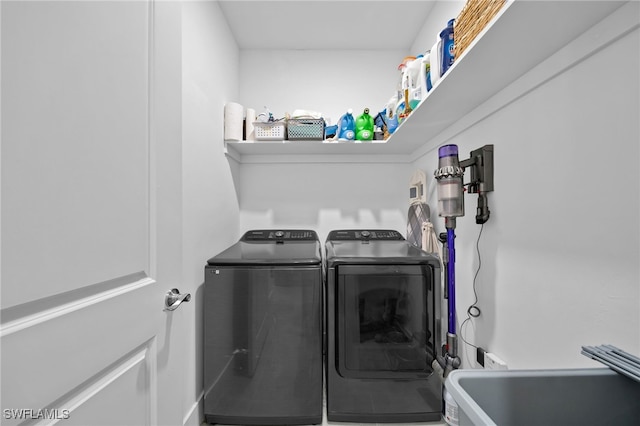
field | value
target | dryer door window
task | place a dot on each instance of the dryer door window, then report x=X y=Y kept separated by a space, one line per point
x=385 y=320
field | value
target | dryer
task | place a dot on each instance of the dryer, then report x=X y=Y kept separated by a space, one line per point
x=383 y=328
x=263 y=330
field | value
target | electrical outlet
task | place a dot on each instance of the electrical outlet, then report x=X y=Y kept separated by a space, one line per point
x=492 y=362
x=480 y=356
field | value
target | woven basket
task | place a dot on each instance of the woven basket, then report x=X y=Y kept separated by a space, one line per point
x=475 y=15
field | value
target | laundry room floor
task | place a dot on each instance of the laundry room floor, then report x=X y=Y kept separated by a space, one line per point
x=325 y=422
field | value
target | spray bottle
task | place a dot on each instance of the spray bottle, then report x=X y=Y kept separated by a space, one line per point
x=347 y=127
x=364 y=126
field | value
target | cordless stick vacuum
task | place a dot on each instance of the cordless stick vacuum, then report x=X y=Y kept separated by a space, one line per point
x=449 y=175
x=450 y=205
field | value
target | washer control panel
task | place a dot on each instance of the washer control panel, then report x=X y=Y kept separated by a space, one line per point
x=280 y=235
x=365 y=235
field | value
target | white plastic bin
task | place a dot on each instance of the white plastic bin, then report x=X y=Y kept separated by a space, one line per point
x=545 y=397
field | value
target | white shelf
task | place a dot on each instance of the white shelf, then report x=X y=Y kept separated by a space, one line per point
x=314 y=151
x=306 y=147
x=521 y=36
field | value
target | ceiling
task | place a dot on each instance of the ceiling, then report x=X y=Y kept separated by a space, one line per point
x=325 y=24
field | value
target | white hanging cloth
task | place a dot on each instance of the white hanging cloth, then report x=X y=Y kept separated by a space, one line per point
x=430 y=242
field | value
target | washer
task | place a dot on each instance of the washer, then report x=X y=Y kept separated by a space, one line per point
x=383 y=329
x=263 y=330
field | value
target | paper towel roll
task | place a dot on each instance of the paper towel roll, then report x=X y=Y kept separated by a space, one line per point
x=250 y=131
x=233 y=116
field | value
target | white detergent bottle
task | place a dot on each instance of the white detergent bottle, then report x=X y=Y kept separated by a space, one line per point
x=435 y=61
x=417 y=71
x=450 y=408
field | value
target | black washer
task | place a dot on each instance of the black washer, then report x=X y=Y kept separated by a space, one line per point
x=263 y=330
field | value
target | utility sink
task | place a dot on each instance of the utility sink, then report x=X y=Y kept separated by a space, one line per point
x=545 y=397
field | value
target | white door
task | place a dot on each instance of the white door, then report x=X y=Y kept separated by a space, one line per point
x=91 y=213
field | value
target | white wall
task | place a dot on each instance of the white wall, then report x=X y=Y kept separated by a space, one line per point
x=327 y=81
x=327 y=196
x=210 y=204
x=321 y=196
x=560 y=252
x=324 y=197
x=440 y=14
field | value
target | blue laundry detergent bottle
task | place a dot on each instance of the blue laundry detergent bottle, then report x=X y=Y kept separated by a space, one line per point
x=347 y=127
x=447 y=53
x=391 y=117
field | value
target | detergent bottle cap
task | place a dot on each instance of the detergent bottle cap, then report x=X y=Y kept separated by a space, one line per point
x=366 y=110
x=350 y=111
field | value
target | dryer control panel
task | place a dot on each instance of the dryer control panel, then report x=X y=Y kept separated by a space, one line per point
x=279 y=235
x=365 y=235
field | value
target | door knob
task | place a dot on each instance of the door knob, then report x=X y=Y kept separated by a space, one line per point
x=173 y=299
